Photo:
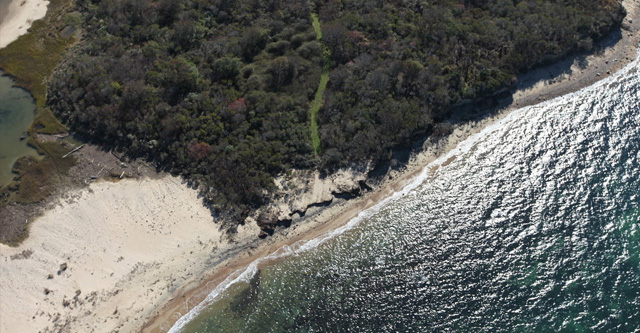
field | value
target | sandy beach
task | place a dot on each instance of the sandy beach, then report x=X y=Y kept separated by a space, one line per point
x=19 y=17
x=139 y=253
x=105 y=257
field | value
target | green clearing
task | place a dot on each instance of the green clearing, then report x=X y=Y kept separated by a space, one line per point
x=324 y=79
x=316 y=26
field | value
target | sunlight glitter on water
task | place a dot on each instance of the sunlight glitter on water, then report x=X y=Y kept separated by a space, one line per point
x=534 y=226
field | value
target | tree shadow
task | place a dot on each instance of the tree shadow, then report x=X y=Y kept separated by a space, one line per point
x=556 y=68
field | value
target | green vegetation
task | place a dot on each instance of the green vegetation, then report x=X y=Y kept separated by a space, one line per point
x=400 y=66
x=324 y=79
x=31 y=59
x=38 y=178
x=219 y=91
x=315 y=107
x=225 y=92
x=316 y=26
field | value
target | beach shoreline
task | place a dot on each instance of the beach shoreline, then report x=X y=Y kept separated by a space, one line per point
x=118 y=243
x=536 y=86
x=103 y=257
x=19 y=16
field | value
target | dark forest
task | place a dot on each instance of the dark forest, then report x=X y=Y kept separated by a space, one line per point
x=220 y=91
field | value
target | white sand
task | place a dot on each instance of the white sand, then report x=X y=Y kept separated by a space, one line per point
x=137 y=246
x=128 y=246
x=21 y=13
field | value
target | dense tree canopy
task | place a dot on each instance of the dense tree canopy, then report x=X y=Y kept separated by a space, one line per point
x=220 y=91
x=399 y=65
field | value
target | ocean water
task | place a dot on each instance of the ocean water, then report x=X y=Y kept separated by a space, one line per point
x=16 y=115
x=534 y=227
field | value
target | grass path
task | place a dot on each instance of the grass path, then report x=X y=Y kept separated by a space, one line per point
x=322 y=85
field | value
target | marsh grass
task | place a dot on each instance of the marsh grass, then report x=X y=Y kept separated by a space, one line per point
x=38 y=178
x=30 y=60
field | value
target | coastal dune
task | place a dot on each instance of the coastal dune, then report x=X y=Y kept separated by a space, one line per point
x=103 y=259
x=19 y=16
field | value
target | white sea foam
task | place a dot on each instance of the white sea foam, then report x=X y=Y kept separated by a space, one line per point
x=245 y=275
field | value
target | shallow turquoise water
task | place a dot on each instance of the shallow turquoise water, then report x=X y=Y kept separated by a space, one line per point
x=534 y=227
x=16 y=115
